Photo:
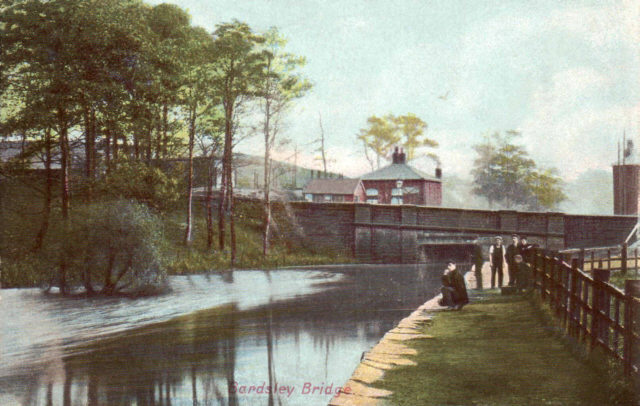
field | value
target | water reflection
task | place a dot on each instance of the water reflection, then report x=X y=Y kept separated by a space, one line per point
x=292 y=352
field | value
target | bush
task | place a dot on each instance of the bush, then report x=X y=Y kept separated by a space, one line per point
x=145 y=184
x=109 y=246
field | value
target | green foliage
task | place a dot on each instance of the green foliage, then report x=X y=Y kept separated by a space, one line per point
x=109 y=246
x=504 y=173
x=146 y=184
x=383 y=133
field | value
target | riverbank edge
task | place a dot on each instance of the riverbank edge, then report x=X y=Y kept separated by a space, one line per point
x=389 y=353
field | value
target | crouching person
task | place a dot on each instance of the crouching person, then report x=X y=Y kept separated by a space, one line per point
x=454 y=290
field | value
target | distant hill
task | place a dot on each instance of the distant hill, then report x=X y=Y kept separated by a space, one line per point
x=285 y=175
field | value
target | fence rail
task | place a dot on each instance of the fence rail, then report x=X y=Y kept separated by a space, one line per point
x=589 y=309
x=615 y=258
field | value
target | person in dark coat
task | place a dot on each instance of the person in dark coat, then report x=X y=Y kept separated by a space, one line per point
x=526 y=250
x=496 y=260
x=478 y=262
x=524 y=274
x=512 y=250
x=454 y=290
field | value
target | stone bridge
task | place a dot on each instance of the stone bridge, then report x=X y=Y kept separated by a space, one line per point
x=375 y=233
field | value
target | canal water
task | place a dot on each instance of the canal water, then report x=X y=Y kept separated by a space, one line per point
x=284 y=337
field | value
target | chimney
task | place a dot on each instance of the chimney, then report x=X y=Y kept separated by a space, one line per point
x=395 y=156
x=439 y=172
x=402 y=157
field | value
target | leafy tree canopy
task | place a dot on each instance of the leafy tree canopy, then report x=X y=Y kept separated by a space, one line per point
x=407 y=131
x=504 y=173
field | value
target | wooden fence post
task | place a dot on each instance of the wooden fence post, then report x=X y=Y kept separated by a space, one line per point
x=609 y=259
x=600 y=325
x=543 y=275
x=623 y=259
x=581 y=265
x=573 y=309
x=632 y=291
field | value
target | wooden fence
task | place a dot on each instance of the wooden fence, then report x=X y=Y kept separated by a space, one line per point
x=589 y=309
x=616 y=258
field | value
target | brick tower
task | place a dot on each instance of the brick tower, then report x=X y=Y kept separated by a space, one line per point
x=626 y=187
x=626 y=181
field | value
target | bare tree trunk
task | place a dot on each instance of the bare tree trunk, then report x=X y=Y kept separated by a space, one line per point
x=65 y=194
x=192 y=131
x=136 y=147
x=107 y=149
x=267 y=181
x=165 y=125
x=226 y=189
x=48 y=191
x=322 y=151
x=232 y=223
x=209 y=201
x=149 y=143
x=115 y=146
x=89 y=148
x=221 y=203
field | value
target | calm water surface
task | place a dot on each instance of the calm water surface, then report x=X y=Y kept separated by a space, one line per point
x=215 y=340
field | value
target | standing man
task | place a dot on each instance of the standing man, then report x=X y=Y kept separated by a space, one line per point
x=525 y=249
x=496 y=260
x=512 y=250
x=478 y=262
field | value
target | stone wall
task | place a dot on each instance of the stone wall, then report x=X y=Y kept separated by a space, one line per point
x=597 y=231
x=391 y=234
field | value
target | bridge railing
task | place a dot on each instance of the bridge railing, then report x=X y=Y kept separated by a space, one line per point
x=588 y=308
x=614 y=258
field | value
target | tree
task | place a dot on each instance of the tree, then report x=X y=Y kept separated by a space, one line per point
x=196 y=99
x=281 y=84
x=383 y=133
x=411 y=129
x=504 y=173
x=239 y=70
x=380 y=136
x=114 y=245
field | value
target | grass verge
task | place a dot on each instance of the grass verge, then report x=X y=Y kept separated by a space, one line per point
x=498 y=351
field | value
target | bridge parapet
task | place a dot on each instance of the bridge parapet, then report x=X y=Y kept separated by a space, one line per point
x=391 y=233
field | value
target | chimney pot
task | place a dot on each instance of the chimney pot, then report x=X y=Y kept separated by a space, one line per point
x=439 y=173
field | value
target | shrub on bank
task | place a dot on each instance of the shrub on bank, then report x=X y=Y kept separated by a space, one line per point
x=107 y=247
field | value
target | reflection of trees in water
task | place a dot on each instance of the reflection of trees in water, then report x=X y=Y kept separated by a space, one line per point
x=150 y=366
x=194 y=358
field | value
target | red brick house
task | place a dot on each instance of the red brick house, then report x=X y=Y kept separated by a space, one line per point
x=334 y=190
x=400 y=183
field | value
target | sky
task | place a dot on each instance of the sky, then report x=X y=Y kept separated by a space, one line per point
x=564 y=74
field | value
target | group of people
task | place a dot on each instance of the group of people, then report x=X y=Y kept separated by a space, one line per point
x=516 y=257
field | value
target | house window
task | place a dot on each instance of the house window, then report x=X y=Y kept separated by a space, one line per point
x=396 y=200
x=372 y=201
x=396 y=192
x=372 y=192
x=308 y=197
x=327 y=198
x=356 y=199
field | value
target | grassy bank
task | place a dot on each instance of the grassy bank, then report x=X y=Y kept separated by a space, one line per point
x=21 y=213
x=500 y=351
x=285 y=250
